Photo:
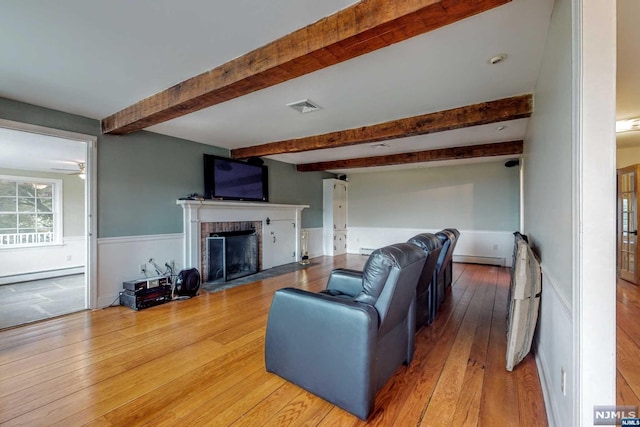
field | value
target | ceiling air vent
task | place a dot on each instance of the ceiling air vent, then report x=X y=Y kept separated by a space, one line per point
x=304 y=106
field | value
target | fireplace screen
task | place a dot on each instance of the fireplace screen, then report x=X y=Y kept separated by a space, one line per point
x=232 y=254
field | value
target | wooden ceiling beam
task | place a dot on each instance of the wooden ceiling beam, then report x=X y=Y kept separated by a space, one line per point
x=454 y=153
x=359 y=29
x=500 y=110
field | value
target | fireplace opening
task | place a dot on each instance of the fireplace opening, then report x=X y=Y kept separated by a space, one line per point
x=231 y=254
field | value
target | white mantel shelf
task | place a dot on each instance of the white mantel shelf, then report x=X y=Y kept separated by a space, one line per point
x=197 y=211
x=226 y=204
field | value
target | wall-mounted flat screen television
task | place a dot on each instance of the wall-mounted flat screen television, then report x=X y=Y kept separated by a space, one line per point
x=231 y=179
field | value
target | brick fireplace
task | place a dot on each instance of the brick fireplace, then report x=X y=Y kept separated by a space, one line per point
x=201 y=218
x=220 y=228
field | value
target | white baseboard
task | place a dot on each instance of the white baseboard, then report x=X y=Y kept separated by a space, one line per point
x=479 y=260
x=39 y=275
x=476 y=246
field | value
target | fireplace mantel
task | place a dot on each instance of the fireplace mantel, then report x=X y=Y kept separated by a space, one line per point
x=196 y=212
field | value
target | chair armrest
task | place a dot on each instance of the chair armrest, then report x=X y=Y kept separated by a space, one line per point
x=326 y=345
x=347 y=282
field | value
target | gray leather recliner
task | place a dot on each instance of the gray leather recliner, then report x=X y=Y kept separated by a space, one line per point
x=449 y=270
x=426 y=298
x=344 y=343
x=444 y=266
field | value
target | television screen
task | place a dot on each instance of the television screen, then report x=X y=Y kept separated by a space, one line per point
x=234 y=179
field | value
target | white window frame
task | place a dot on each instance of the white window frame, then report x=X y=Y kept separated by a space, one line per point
x=56 y=209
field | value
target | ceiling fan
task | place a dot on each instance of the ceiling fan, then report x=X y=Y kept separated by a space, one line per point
x=80 y=171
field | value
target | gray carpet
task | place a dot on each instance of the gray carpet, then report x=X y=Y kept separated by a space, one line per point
x=264 y=274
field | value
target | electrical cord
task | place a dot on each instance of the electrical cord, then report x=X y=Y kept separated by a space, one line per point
x=169 y=273
x=114 y=301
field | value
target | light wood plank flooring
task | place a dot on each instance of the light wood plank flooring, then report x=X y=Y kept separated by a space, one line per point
x=628 y=343
x=200 y=362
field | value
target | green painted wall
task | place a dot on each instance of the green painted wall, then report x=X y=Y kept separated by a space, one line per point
x=141 y=175
x=481 y=196
x=286 y=185
x=548 y=155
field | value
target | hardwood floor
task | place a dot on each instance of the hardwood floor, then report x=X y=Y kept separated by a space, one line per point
x=628 y=343
x=200 y=362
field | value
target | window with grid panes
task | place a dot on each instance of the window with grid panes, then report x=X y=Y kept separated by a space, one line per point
x=28 y=214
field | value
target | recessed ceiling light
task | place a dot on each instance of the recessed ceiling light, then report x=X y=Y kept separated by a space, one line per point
x=304 y=106
x=497 y=59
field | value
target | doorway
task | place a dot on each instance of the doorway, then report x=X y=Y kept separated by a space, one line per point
x=627 y=219
x=46 y=224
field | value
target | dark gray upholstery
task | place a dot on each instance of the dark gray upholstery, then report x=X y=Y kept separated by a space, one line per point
x=449 y=271
x=344 y=343
x=426 y=291
x=447 y=238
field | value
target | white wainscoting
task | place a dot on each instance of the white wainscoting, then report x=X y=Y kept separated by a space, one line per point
x=553 y=348
x=42 y=262
x=119 y=260
x=477 y=246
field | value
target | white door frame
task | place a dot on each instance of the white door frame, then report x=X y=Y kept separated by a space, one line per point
x=91 y=156
x=594 y=213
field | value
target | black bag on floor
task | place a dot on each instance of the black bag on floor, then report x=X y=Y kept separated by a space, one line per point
x=188 y=282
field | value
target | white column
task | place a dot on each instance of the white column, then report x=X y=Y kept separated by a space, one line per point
x=192 y=236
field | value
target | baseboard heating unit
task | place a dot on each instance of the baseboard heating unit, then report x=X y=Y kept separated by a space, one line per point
x=471 y=259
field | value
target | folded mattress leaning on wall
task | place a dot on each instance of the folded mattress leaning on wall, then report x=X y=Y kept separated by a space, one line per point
x=523 y=302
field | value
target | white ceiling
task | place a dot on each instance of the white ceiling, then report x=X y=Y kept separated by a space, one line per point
x=94 y=58
x=32 y=151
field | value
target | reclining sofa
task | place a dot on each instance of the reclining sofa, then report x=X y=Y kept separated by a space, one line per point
x=426 y=297
x=444 y=267
x=343 y=344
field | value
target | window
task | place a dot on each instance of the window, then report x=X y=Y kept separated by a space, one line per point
x=29 y=211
